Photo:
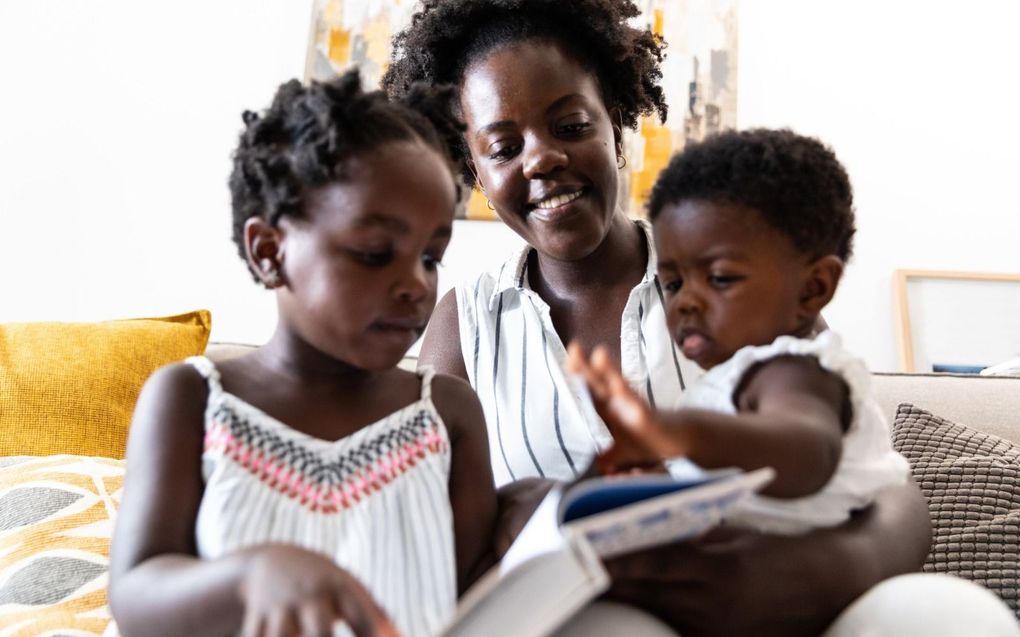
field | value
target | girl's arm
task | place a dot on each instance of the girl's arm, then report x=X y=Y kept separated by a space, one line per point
x=472 y=493
x=158 y=585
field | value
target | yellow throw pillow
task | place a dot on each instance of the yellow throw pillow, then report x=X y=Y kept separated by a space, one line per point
x=56 y=519
x=70 y=388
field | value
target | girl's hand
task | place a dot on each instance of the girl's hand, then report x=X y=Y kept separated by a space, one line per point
x=640 y=441
x=290 y=591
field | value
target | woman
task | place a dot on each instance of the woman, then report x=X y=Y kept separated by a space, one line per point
x=545 y=89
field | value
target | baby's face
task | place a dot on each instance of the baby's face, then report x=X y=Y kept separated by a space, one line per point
x=361 y=260
x=729 y=279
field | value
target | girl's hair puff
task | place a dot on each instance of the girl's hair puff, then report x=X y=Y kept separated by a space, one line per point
x=447 y=36
x=305 y=137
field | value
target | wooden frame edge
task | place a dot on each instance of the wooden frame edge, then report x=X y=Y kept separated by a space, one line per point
x=901 y=277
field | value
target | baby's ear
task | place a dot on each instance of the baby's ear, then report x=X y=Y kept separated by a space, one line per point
x=821 y=278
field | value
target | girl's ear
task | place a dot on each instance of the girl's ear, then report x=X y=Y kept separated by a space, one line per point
x=263 y=249
x=821 y=278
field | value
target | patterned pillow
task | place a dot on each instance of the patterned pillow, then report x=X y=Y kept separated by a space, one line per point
x=56 y=519
x=972 y=483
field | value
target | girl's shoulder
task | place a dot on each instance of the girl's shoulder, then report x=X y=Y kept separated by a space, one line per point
x=455 y=401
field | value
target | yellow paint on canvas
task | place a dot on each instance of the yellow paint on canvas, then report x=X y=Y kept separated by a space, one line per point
x=658 y=22
x=658 y=145
x=378 y=33
x=339 y=46
x=478 y=207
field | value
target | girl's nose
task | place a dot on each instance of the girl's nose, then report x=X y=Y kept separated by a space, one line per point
x=416 y=283
x=688 y=301
x=542 y=156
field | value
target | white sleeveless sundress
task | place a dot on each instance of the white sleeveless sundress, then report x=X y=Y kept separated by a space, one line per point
x=376 y=502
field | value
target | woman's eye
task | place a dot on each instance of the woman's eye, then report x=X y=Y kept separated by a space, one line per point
x=502 y=153
x=373 y=258
x=575 y=128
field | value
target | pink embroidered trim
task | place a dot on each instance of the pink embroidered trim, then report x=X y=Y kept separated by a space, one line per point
x=282 y=477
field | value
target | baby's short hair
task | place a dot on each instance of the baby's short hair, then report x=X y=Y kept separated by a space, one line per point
x=303 y=140
x=795 y=182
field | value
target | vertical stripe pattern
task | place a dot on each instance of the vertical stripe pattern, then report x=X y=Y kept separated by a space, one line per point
x=499 y=314
x=375 y=501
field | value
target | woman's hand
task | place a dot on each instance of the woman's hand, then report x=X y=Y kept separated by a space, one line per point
x=748 y=583
x=287 y=590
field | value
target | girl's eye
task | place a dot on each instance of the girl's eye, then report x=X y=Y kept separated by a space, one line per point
x=373 y=259
x=431 y=262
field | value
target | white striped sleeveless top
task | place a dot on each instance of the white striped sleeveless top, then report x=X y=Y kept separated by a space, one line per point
x=376 y=501
x=514 y=359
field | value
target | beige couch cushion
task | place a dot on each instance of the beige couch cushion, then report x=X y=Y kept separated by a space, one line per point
x=986 y=403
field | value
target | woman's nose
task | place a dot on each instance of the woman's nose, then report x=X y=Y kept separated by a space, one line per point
x=542 y=156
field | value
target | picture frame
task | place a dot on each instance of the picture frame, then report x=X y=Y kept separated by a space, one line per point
x=956 y=322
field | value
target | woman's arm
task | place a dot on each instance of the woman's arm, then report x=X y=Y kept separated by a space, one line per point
x=441 y=347
x=749 y=583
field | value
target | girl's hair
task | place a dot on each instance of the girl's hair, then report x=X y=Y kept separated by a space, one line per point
x=795 y=182
x=447 y=36
x=303 y=140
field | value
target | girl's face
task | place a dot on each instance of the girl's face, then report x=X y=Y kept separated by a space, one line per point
x=543 y=146
x=360 y=264
x=730 y=280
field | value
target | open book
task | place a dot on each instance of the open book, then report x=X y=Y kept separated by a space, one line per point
x=555 y=565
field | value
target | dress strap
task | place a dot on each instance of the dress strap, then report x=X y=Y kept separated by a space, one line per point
x=207 y=369
x=426 y=373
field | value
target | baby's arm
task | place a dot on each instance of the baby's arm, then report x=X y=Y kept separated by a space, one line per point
x=472 y=492
x=791 y=416
x=158 y=585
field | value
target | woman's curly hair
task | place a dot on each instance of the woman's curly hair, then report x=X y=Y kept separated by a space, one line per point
x=302 y=141
x=446 y=36
x=795 y=182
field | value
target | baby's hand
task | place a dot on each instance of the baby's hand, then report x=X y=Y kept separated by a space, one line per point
x=639 y=439
x=290 y=591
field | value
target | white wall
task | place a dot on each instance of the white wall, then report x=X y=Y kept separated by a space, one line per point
x=921 y=102
x=117 y=118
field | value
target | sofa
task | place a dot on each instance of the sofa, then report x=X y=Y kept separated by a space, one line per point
x=960 y=432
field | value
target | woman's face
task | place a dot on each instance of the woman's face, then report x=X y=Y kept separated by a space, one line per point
x=543 y=146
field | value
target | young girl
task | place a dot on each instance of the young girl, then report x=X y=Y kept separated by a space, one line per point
x=312 y=481
x=752 y=230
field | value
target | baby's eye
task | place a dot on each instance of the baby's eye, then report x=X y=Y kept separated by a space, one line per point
x=373 y=258
x=672 y=286
x=722 y=280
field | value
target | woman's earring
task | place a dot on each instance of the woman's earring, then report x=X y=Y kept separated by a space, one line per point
x=270 y=274
x=621 y=161
x=488 y=204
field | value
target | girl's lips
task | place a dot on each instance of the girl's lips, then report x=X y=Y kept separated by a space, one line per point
x=559 y=212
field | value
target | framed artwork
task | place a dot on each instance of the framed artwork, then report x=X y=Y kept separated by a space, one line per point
x=959 y=322
x=699 y=73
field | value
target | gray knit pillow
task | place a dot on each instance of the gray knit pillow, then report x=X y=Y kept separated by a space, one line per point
x=972 y=483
